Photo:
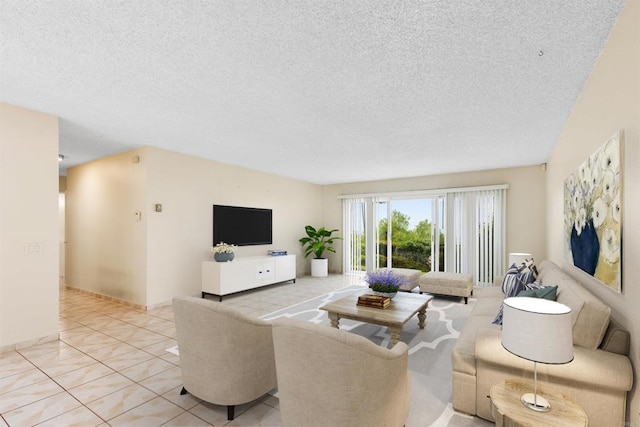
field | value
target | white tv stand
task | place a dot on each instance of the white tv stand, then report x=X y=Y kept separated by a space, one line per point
x=243 y=273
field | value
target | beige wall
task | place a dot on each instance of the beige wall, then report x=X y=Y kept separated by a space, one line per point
x=28 y=214
x=180 y=236
x=150 y=261
x=610 y=101
x=106 y=244
x=525 y=202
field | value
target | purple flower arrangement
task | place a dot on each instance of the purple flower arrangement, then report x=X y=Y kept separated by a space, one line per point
x=384 y=281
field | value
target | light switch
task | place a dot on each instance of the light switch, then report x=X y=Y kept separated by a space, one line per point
x=158 y=207
x=32 y=248
x=138 y=215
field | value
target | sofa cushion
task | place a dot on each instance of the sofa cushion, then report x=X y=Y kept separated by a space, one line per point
x=463 y=356
x=481 y=292
x=487 y=306
x=589 y=315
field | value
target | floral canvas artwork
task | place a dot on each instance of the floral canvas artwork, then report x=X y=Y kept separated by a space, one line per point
x=592 y=215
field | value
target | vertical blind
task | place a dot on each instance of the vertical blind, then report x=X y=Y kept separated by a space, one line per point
x=475 y=224
x=354 y=211
x=490 y=208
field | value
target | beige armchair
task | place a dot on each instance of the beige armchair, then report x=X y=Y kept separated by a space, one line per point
x=226 y=357
x=328 y=377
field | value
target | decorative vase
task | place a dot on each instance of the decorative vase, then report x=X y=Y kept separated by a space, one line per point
x=223 y=256
x=585 y=248
x=385 y=294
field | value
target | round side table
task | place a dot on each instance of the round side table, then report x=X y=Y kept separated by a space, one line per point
x=508 y=411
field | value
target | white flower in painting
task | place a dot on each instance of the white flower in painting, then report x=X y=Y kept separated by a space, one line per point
x=598 y=212
x=609 y=186
x=585 y=174
x=571 y=182
x=594 y=179
x=577 y=200
x=615 y=208
x=581 y=220
x=609 y=246
x=610 y=157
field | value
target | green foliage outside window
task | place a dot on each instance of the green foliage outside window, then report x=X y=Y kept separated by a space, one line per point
x=410 y=248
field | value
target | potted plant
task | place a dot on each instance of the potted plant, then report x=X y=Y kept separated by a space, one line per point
x=317 y=242
x=384 y=282
x=223 y=252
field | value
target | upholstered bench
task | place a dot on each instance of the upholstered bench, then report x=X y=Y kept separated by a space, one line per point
x=410 y=275
x=442 y=283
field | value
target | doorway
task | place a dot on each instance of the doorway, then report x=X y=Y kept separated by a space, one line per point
x=62 y=244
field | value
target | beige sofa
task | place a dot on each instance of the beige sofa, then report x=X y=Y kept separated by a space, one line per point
x=598 y=379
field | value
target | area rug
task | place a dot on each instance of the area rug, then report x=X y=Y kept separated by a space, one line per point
x=429 y=353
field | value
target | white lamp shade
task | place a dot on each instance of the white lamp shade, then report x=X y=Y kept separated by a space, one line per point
x=518 y=258
x=537 y=329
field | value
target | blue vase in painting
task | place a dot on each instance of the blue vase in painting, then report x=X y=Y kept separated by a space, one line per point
x=585 y=248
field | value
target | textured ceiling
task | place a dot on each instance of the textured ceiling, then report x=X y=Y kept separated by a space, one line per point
x=322 y=91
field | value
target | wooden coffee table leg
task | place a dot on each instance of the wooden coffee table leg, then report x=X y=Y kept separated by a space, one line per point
x=422 y=317
x=335 y=320
x=395 y=335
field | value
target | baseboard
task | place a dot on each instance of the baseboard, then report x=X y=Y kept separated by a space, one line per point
x=29 y=343
x=108 y=298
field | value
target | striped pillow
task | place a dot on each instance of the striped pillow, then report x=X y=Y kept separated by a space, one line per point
x=510 y=279
x=515 y=281
x=530 y=264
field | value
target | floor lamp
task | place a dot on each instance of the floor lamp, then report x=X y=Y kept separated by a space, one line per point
x=538 y=330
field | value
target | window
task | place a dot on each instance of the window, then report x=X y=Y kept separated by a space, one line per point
x=456 y=230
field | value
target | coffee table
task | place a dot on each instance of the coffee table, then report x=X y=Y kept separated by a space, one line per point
x=403 y=307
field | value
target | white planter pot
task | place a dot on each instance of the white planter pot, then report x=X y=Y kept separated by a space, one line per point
x=319 y=267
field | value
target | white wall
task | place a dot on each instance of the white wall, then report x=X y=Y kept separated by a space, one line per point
x=148 y=262
x=525 y=202
x=610 y=101
x=28 y=214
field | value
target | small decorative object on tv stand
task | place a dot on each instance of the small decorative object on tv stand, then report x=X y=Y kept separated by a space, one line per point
x=223 y=252
x=224 y=257
x=276 y=252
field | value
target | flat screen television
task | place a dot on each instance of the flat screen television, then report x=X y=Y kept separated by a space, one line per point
x=242 y=226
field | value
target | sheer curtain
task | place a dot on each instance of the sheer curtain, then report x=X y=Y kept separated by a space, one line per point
x=476 y=239
x=354 y=212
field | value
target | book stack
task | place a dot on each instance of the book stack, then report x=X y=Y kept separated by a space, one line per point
x=276 y=252
x=375 y=301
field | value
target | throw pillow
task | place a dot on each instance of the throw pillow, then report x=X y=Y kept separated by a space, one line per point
x=530 y=264
x=547 y=292
x=498 y=319
x=510 y=278
x=535 y=285
x=526 y=277
x=512 y=285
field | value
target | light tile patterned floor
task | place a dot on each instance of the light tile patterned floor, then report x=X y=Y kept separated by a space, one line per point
x=111 y=367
